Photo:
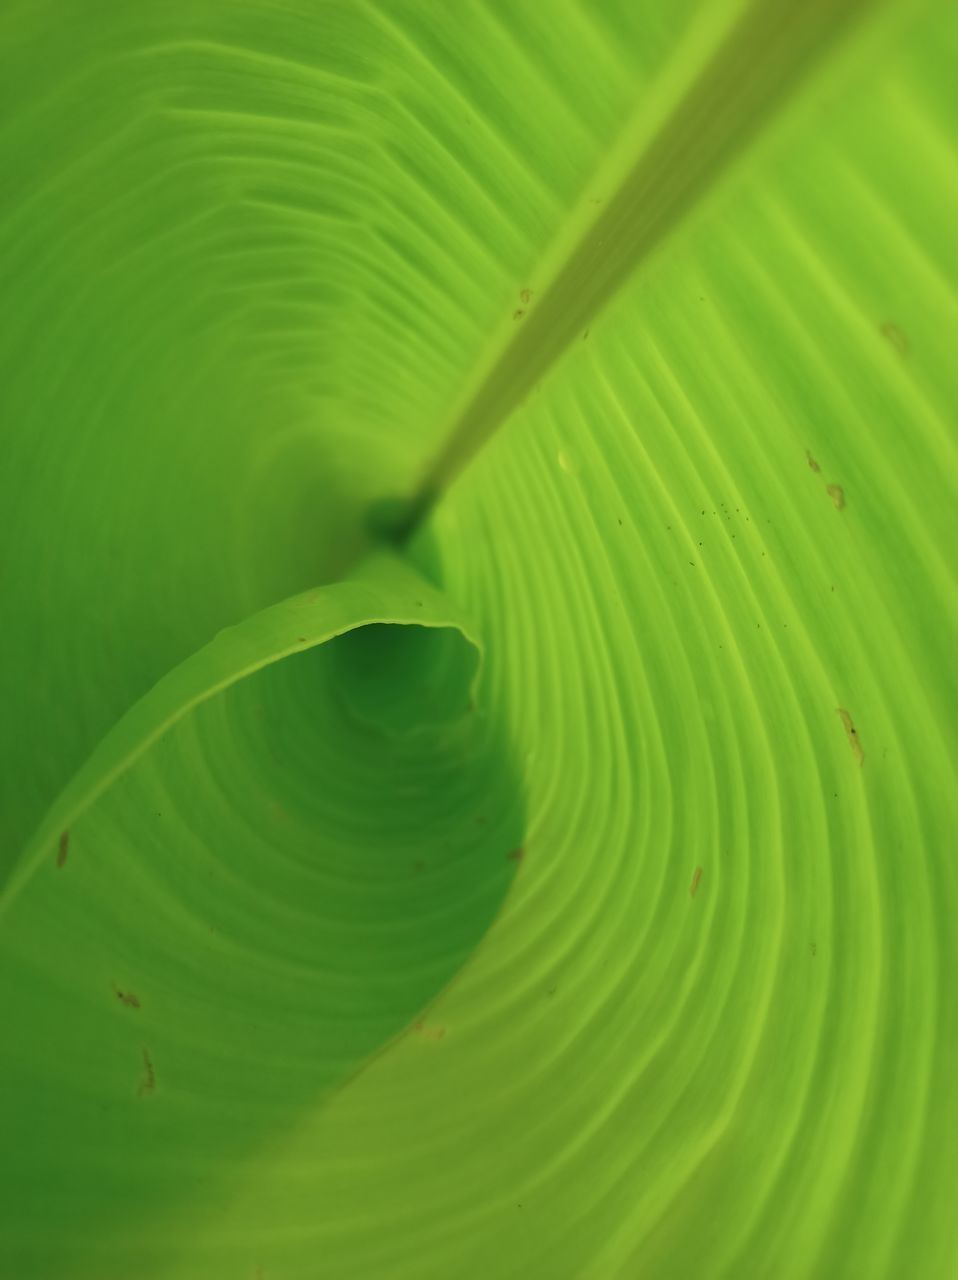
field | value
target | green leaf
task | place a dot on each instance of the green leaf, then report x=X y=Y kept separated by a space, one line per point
x=643 y=319
x=243 y=862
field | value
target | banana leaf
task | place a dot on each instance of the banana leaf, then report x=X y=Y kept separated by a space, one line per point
x=479 y=716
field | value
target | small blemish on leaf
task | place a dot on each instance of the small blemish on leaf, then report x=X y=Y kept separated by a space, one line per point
x=516 y=855
x=895 y=336
x=837 y=495
x=518 y=314
x=852 y=734
x=696 y=877
x=525 y=295
x=428 y=1032
x=811 y=461
x=63 y=848
x=148 y=1083
x=129 y=998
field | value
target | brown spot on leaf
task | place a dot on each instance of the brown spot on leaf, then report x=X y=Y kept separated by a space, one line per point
x=129 y=998
x=811 y=461
x=894 y=335
x=585 y=335
x=518 y=314
x=300 y=639
x=525 y=295
x=63 y=848
x=837 y=495
x=852 y=734
x=516 y=855
x=696 y=877
x=428 y=1032
x=148 y=1083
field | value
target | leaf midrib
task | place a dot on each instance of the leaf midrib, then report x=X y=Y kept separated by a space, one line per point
x=655 y=182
